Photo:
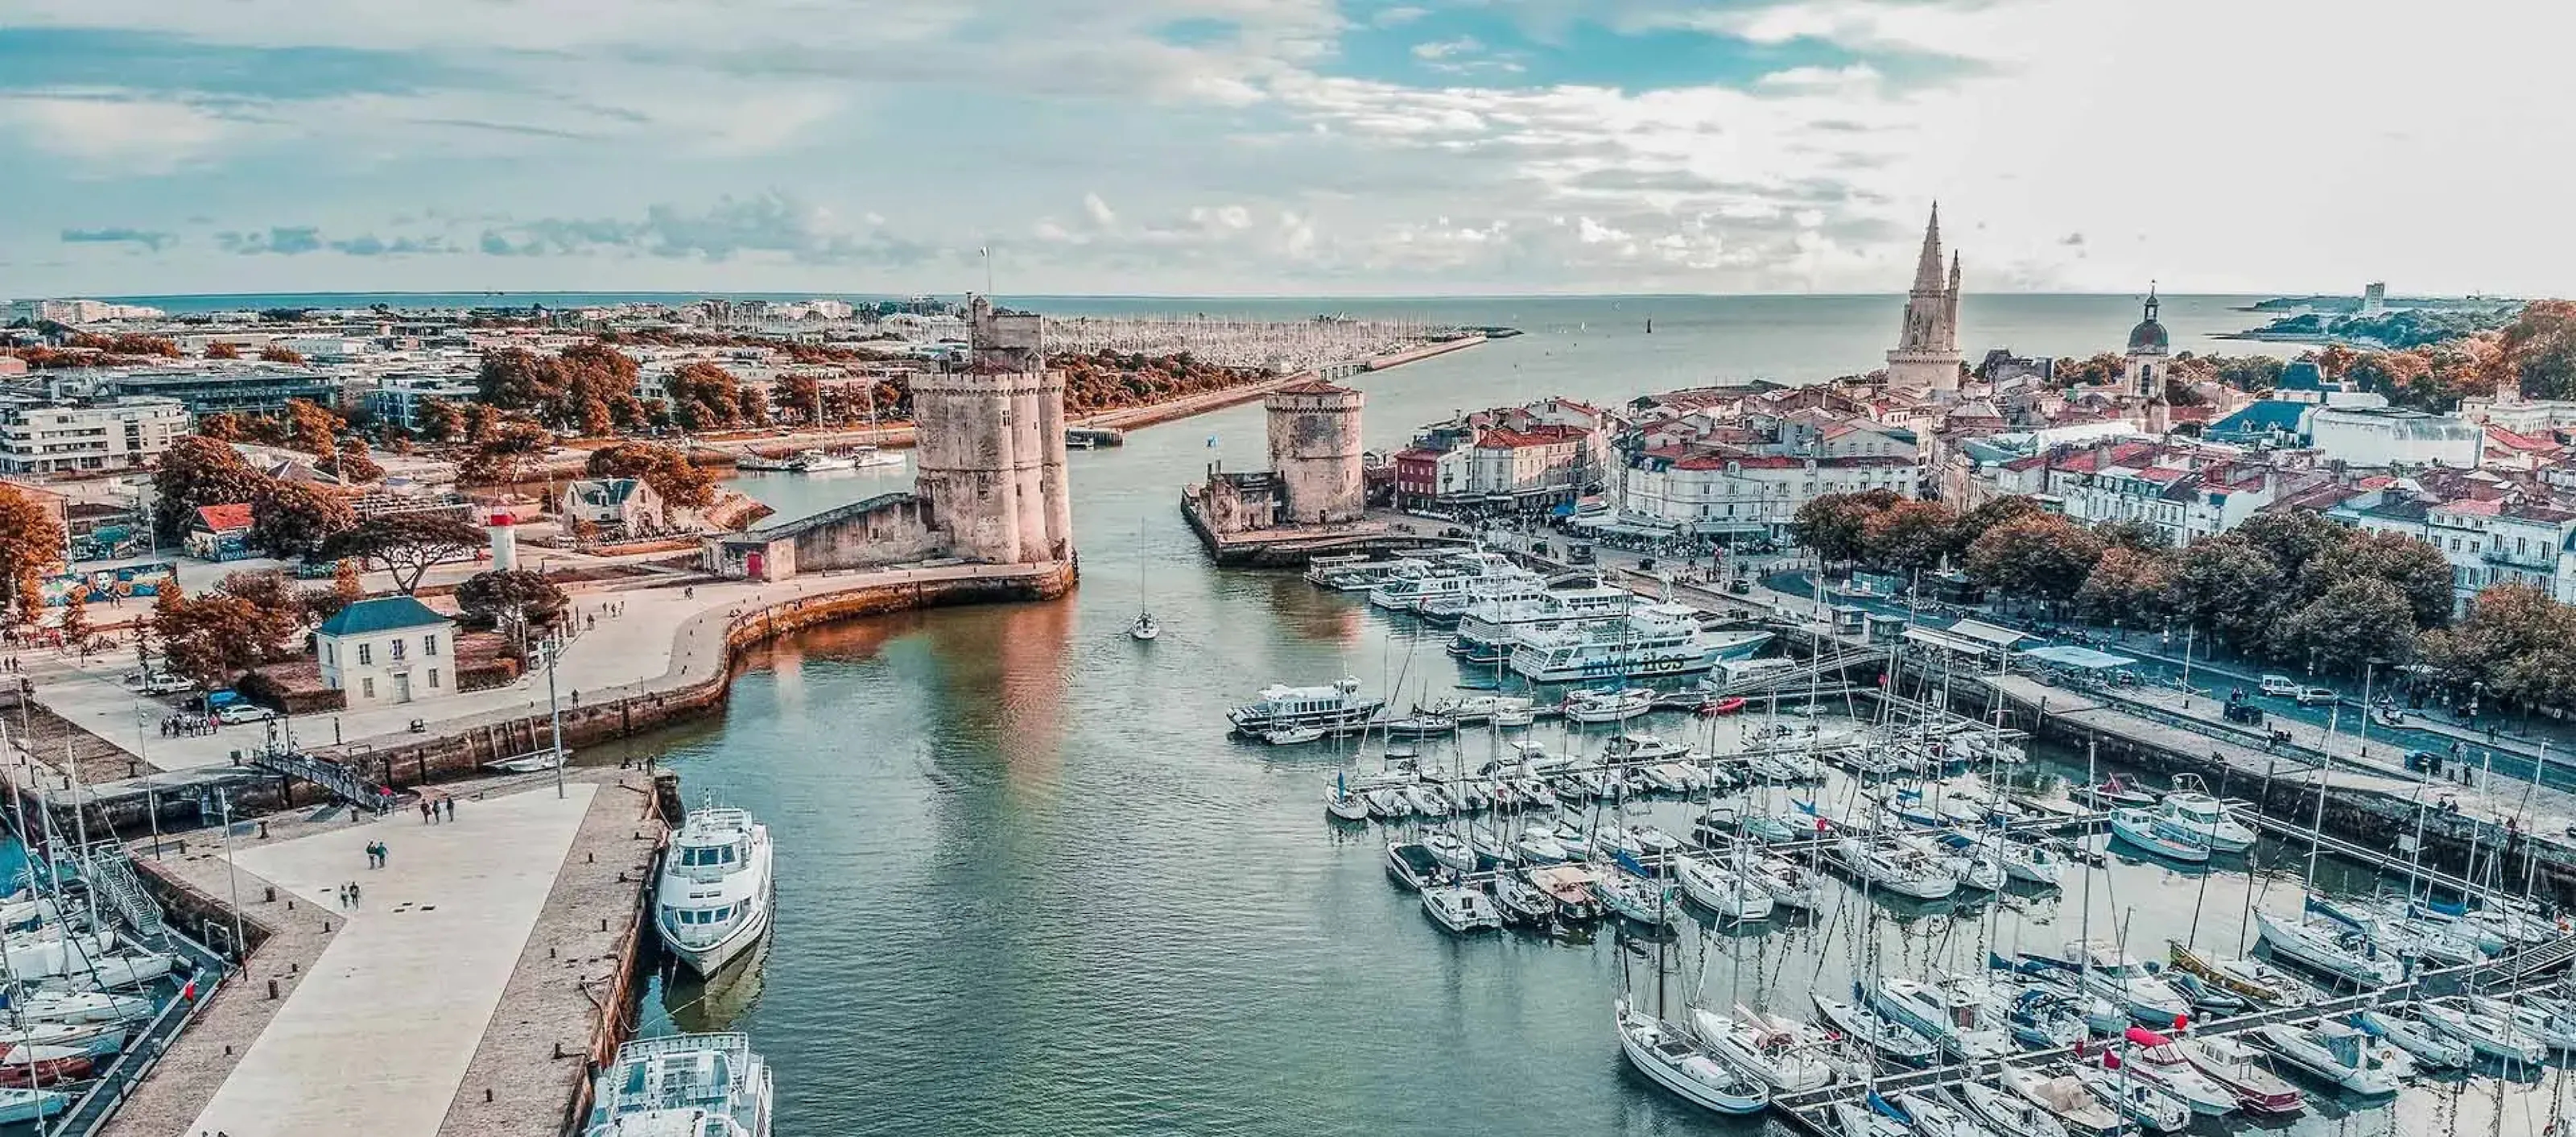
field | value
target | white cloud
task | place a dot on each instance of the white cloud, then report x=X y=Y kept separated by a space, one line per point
x=114 y=135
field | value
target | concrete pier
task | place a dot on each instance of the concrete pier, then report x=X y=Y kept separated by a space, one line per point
x=463 y=994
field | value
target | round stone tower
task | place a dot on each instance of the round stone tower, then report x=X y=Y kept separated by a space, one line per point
x=1315 y=452
x=990 y=445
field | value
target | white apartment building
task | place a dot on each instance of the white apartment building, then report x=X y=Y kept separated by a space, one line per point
x=110 y=434
x=78 y=311
x=1726 y=493
x=385 y=651
x=398 y=399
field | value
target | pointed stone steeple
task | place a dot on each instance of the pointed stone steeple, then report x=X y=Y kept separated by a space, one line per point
x=1927 y=270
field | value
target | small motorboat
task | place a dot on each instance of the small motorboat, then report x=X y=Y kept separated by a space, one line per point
x=2245 y=1072
x=2137 y=1099
x=20 y=1106
x=2156 y=1058
x=1674 y=1061
x=1292 y=735
x=2429 y=1047
x=1570 y=887
x=2144 y=829
x=1887 y=1036
x=1411 y=865
x=2249 y=978
x=2339 y=1054
x=1725 y=706
x=2009 y=1114
x=1461 y=908
x=2065 y=1096
x=2502 y=1037
x=29 y=1066
x=1520 y=900
x=2114 y=794
x=1421 y=726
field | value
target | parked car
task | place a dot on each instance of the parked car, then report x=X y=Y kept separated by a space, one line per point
x=2280 y=685
x=2246 y=713
x=2317 y=696
x=156 y=683
x=240 y=713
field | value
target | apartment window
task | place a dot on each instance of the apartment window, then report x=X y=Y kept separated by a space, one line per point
x=326 y=651
x=367 y=687
x=433 y=679
x=429 y=645
x=366 y=654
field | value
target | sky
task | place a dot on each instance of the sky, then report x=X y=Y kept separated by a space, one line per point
x=1282 y=147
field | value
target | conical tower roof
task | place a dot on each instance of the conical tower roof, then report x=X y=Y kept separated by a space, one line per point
x=1927 y=271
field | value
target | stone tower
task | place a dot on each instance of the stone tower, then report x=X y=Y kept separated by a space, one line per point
x=1315 y=452
x=1927 y=347
x=990 y=445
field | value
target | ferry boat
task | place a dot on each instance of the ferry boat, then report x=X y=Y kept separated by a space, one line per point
x=1654 y=639
x=1491 y=625
x=1448 y=608
x=716 y=889
x=687 y=1085
x=1335 y=708
x=1455 y=576
x=1356 y=572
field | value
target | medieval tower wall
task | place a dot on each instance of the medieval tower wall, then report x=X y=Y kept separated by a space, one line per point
x=1315 y=452
x=990 y=445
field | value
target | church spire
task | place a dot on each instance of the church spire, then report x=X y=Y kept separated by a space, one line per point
x=1927 y=271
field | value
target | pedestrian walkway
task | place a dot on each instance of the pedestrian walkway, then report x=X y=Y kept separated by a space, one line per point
x=377 y=1038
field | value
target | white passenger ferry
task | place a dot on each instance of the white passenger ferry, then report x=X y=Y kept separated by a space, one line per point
x=1654 y=639
x=686 y=1085
x=1488 y=629
x=1456 y=575
x=1330 y=709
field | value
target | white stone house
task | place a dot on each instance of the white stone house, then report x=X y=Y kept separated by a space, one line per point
x=386 y=651
x=617 y=505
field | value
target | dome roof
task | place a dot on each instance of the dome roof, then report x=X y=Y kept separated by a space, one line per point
x=2149 y=335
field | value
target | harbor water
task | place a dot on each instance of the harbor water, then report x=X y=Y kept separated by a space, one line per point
x=1028 y=885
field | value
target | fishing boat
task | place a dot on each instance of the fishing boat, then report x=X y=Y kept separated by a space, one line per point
x=1669 y=1056
x=716 y=889
x=2245 y=1072
x=1786 y=1054
x=1461 y=908
x=2430 y=1047
x=2148 y=830
x=2065 y=1097
x=2339 y=1054
x=1719 y=889
x=1899 y=869
x=2156 y=1058
x=1608 y=706
x=2332 y=949
x=1521 y=901
x=2250 y=978
x=2502 y=1037
x=1280 y=707
x=2204 y=817
x=2136 y=1098
x=1955 y=1017
x=2011 y=1114
x=697 y=1085
x=1887 y=1036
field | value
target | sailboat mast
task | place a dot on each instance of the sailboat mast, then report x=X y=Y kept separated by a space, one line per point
x=2084 y=924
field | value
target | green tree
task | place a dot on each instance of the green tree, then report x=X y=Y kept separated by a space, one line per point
x=2539 y=349
x=502 y=456
x=797 y=396
x=680 y=482
x=516 y=379
x=2127 y=587
x=312 y=429
x=210 y=639
x=74 y=624
x=31 y=544
x=439 y=420
x=2141 y=536
x=276 y=612
x=1988 y=514
x=1909 y=537
x=408 y=544
x=2353 y=621
x=2291 y=537
x=2228 y=586
x=510 y=598
x=703 y=396
x=291 y=519
x=2041 y=556
x=1835 y=525
x=199 y=472
x=2417 y=570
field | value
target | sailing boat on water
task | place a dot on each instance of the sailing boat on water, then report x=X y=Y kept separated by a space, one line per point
x=1144 y=629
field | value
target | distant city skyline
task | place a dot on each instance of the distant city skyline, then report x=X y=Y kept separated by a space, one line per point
x=1362 y=148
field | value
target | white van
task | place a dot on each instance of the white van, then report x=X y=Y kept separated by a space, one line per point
x=2281 y=685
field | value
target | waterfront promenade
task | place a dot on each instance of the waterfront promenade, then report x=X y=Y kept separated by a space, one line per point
x=478 y=960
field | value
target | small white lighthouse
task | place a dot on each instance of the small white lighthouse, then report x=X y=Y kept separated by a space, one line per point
x=505 y=541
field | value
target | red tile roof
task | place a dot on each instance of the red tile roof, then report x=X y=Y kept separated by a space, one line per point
x=1534 y=436
x=224 y=518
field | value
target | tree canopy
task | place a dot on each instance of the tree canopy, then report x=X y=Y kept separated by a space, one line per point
x=666 y=469
x=408 y=544
x=30 y=543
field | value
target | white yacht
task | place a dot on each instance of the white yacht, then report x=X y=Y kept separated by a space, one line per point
x=1898 y=868
x=1337 y=707
x=2206 y=818
x=688 y=1085
x=1654 y=639
x=716 y=890
x=1608 y=706
x=1491 y=626
x=1448 y=608
x=1457 y=575
x=2118 y=976
x=1357 y=573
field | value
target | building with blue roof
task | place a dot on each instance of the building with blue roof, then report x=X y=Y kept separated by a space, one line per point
x=389 y=650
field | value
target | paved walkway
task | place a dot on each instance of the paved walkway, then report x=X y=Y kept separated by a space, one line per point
x=377 y=1038
x=666 y=638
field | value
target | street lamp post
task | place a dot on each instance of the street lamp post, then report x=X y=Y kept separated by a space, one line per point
x=554 y=711
x=232 y=879
x=2369 y=668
